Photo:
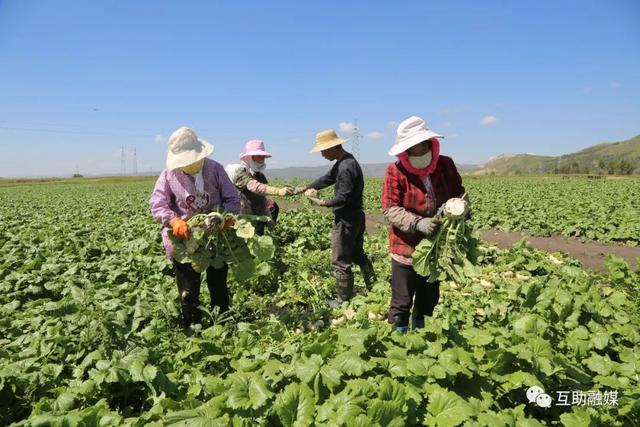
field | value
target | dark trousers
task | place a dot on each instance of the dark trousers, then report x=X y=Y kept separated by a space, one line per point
x=274 y=210
x=189 y=280
x=347 y=244
x=408 y=289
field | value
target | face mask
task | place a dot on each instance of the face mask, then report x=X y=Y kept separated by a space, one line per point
x=257 y=167
x=193 y=168
x=420 y=162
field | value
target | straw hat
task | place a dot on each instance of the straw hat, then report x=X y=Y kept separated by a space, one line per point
x=185 y=148
x=326 y=139
x=255 y=147
x=411 y=131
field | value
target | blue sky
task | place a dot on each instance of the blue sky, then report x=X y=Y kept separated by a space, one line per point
x=80 y=79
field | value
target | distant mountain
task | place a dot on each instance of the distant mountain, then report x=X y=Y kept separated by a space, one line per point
x=370 y=170
x=620 y=158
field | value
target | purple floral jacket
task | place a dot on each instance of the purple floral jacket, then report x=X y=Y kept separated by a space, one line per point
x=175 y=196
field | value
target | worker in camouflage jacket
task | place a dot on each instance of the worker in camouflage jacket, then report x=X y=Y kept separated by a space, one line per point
x=347 y=234
x=248 y=177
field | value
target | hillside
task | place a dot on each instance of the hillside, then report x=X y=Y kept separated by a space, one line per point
x=620 y=158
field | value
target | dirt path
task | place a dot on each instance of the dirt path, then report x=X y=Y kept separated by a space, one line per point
x=590 y=254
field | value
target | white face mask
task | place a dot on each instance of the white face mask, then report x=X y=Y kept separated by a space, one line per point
x=257 y=167
x=420 y=162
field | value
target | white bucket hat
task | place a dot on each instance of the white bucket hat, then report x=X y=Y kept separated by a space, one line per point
x=185 y=148
x=411 y=131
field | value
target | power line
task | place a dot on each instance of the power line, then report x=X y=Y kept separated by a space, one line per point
x=76 y=132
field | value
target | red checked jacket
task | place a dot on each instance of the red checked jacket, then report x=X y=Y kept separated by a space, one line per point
x=406 y=190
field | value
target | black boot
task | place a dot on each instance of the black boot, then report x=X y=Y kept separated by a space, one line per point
x=400 y=325
x=344 y=289
x=369 y=274
x=187 y=316
x=190 y=312
x=417 y=322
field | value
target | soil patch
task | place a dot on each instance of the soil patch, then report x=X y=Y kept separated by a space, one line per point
x=590 y=254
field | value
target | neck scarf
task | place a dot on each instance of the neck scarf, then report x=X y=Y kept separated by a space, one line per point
x=422 y=172
x=254 y=166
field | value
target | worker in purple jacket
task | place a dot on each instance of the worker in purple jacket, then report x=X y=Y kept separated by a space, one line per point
x=191 y=184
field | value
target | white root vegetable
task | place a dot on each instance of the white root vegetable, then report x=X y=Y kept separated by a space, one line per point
x=375 y=316
x=455 y=208
x=486 y=284
x=339 y=321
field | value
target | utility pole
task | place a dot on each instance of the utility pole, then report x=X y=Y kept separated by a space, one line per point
x=135 y=162
x=355 y=141
x=123 y=163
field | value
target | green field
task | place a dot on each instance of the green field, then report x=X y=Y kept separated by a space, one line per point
x=89 y=329
x=604 y=210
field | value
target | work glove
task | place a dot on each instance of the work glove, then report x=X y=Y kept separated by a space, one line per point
x=298 y=190
x=312 y=192
x=427 y=225
x=180 y=228
x=282 y=191
x=317 y=201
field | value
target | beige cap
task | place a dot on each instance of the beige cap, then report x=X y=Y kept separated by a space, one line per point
x=184 y=148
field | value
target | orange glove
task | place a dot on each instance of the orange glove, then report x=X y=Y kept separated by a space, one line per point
x=180 y=228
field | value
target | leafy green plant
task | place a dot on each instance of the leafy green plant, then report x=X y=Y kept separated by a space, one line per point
x=452 y=253
x=221 y=238
x=89 y=331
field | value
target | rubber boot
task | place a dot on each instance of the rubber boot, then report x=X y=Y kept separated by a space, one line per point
x=402 y=329
x=344 y=290
x=369 y=274
x=400 y=325
x=344 y=287
x=417 y=322
x=187 y=309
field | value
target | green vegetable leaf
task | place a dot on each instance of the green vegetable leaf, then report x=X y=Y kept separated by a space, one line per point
x=446 y=409
x=296 y=406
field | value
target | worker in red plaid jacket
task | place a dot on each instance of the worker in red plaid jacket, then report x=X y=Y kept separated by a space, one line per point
x=415 y=186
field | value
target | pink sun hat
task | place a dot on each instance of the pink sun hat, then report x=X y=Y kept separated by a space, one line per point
x=255 y=147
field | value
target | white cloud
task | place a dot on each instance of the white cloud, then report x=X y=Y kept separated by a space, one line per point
x=347 y=127
x=488 y=120
x=392 y=124
x=615 y=84
x=375 y=135
x=159 y=137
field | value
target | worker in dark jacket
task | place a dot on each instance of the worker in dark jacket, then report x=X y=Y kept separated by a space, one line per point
x=347 y=234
